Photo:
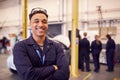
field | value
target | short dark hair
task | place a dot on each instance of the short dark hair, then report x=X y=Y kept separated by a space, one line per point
x=108 y=36
x=37 y=10
x=85 y=33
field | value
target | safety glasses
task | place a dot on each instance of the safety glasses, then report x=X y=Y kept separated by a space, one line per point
x=34 y=10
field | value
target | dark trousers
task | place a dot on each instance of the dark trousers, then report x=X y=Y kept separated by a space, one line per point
x=85 y=58
x=110 y=60
x=96 y=61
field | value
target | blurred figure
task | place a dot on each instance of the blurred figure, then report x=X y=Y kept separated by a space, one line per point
x=110 y=50
x=4 y=41
x=79 y=57
x=0 y=45
x=96 y=48
x=84 y=52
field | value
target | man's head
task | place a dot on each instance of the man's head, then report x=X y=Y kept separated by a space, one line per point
x=85 y=34
x=37 y=10
x=38 y=22
x=108 y=36
x=96 y=37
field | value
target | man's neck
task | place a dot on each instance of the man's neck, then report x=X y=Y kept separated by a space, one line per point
x=39 y=40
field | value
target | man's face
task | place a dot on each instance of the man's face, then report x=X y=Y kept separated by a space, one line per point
x=39 y=24
x=96 y=37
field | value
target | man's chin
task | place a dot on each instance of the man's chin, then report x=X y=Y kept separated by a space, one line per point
x=41 y=35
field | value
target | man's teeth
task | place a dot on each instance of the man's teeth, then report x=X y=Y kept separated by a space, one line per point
x=39 y=28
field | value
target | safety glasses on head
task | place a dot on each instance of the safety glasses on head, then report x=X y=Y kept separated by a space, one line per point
x=38 y=9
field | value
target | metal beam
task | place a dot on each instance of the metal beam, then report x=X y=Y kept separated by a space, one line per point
x=24 y=17
x=74 y=47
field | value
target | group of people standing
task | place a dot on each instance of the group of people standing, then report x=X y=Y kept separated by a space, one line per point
x=85 y=48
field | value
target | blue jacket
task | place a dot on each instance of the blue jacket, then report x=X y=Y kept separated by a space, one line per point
x=110 y=46
x=84 y=46
x=95 y=48
x=30 y=67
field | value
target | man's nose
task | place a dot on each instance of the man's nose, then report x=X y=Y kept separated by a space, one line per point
x=40 y=23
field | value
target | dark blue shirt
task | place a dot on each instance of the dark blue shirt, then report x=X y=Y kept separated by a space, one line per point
x=110 y=46
x=96 y=48
x=84 y=46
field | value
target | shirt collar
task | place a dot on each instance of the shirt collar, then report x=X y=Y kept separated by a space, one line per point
x=31 y=41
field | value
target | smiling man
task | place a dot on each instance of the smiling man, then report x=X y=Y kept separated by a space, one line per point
x=38 y=58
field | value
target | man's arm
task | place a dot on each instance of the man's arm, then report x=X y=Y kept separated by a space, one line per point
x=63 y=66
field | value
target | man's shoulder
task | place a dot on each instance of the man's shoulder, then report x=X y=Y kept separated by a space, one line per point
x=93 y=41
x=85 y=39
x=54 y=42
x=21 y=42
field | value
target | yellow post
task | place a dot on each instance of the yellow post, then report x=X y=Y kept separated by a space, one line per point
x=24 y=18
x=74 y=47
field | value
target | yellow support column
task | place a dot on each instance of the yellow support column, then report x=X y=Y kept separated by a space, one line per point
x=24 y=17
x=74 y=48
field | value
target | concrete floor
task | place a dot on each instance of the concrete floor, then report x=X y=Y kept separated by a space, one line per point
x=102 y=75
x=5 y=74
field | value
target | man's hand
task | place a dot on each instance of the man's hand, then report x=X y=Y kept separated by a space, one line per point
x=55 y=67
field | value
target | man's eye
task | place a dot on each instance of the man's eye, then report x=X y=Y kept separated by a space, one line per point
x=36 y=21
x=44 y=21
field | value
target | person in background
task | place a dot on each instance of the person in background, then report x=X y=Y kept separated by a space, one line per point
x=79 y=57
x=0 y=46
x=37 y=57
x=110 y=50
x=85 y=52
x=96 y=48
x=4 y=41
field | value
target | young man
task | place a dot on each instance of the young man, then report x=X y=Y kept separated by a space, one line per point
x=96 y=48
x=38 y=58
x=110 y=50
x=85 y=52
